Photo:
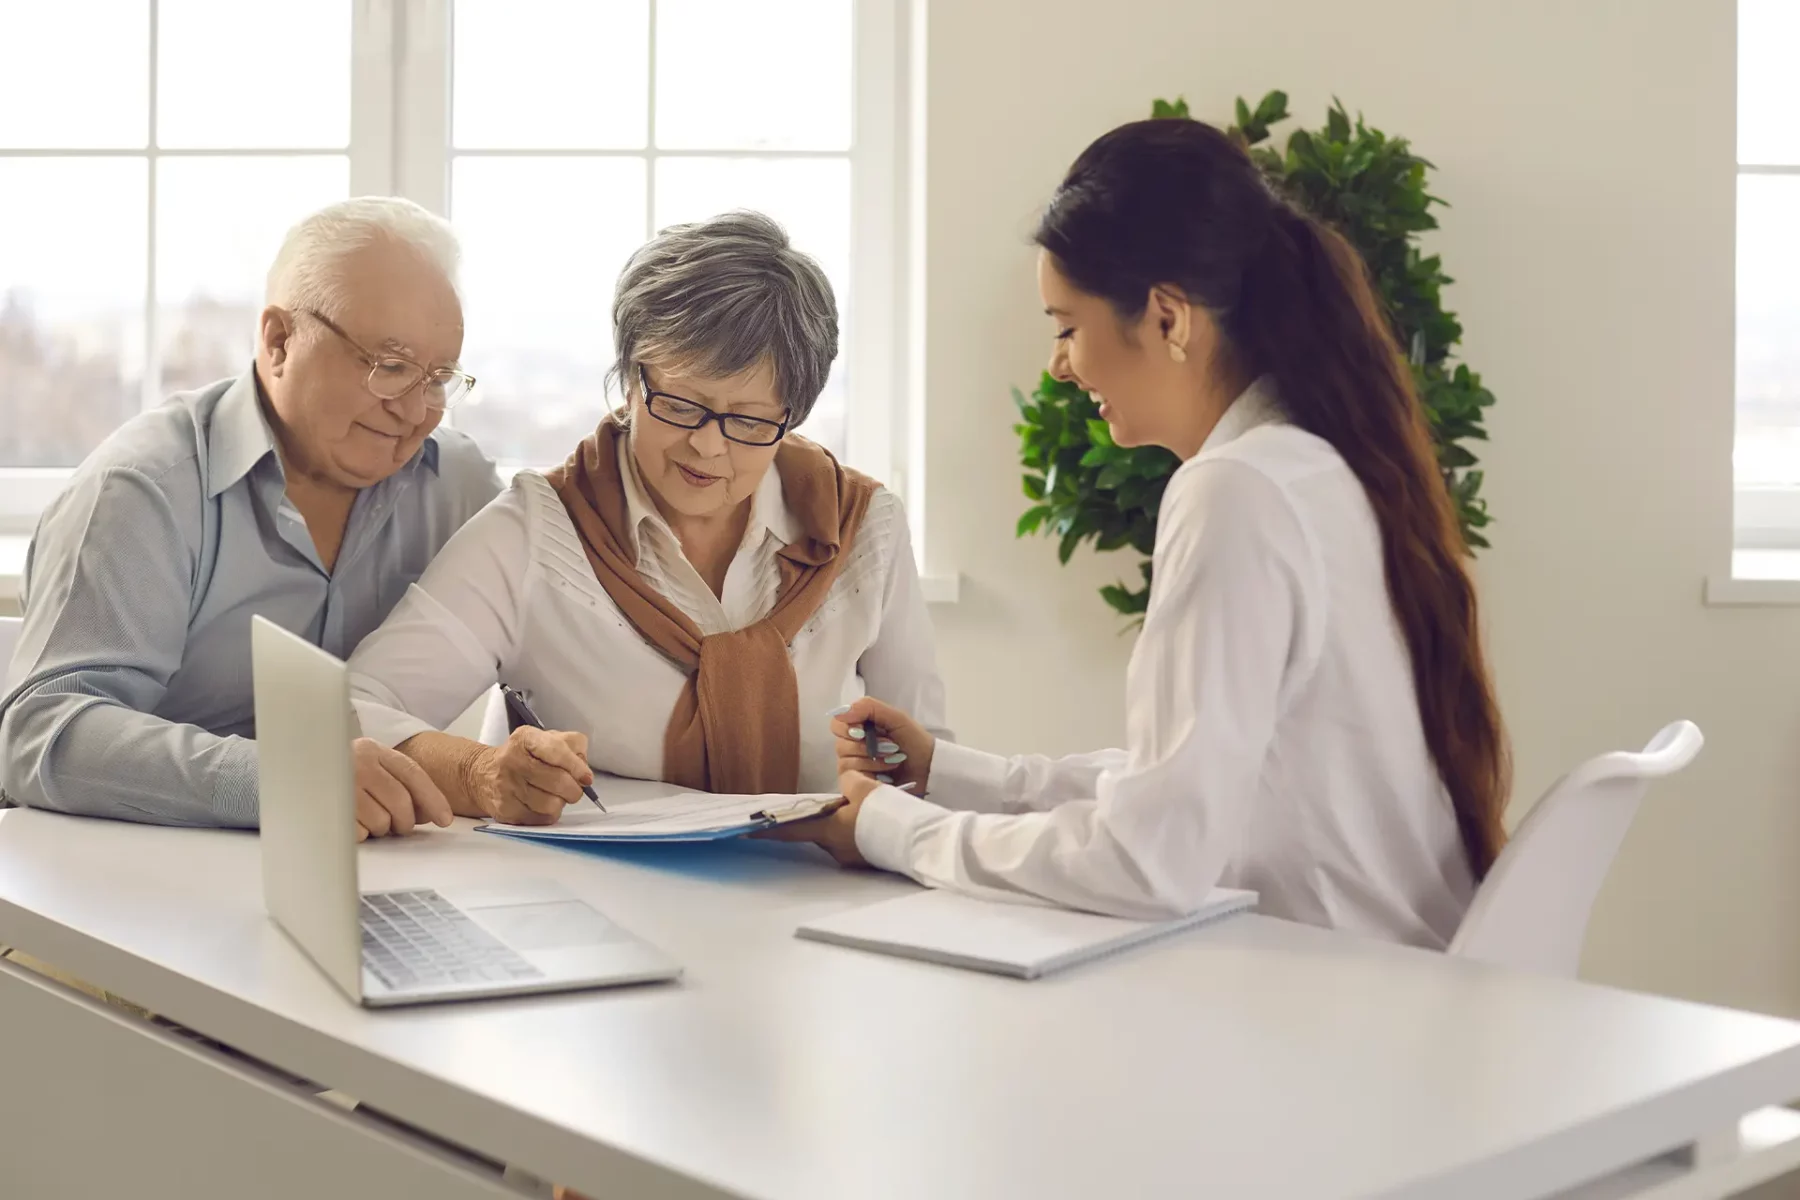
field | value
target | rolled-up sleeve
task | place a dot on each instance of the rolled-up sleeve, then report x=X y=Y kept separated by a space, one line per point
x=109 y=585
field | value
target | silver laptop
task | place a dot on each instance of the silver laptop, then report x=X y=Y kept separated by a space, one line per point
x=417 y=944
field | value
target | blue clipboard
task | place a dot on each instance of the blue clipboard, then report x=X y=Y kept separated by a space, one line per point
x=585 y=833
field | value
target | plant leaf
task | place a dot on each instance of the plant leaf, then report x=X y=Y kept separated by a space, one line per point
x=1032 y=518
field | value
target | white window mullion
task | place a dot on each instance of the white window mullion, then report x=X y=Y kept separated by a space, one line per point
x=872 y=418
x=152 y=387
x=374 y=71
x=909 y=250
x=650 y=151
x=421 y=138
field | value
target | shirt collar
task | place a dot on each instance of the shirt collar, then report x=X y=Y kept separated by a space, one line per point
x=769 y=513
x=1255 y=406
x=238 y=437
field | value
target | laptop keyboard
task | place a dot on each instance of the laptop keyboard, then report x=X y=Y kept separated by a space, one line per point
x=417 y=939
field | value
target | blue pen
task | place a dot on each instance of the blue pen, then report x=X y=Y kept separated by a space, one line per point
x=521 y=714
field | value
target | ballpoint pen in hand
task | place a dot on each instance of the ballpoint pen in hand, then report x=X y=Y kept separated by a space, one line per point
x=876 y=746
x=521 y=714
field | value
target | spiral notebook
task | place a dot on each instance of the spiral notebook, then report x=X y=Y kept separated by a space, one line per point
x=1025 y=940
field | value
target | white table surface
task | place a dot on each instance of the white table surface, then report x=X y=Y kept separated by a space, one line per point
x=1253 y=1058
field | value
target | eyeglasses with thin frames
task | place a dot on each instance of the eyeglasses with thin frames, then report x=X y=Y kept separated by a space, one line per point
x=683 y=413
x=391 y=375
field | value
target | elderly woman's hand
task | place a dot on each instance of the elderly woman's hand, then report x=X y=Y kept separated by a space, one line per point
x=880 y=741
x=531 y=777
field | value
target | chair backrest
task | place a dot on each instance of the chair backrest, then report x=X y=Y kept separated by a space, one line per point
x=1532 y=909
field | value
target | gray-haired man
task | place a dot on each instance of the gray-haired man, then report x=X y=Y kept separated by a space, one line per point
x=313 y=489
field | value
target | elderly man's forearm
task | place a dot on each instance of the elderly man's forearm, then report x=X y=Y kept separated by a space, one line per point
x=103 y=760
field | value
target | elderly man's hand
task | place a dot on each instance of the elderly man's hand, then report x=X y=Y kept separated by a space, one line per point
x=393 y=793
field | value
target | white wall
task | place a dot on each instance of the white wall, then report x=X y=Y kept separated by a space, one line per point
x=1588 y=151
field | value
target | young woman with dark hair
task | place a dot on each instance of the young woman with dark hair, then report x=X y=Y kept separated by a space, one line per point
x=1309 y=712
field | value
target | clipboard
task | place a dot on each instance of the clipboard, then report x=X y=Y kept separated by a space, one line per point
x=678 y=817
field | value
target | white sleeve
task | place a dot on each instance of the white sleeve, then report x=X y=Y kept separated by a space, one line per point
x=1205 y=690
x=965 y=778
x=900 y=666
x=453 y=632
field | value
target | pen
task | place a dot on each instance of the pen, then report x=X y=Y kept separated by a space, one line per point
x=872 y=738
x=521 y=714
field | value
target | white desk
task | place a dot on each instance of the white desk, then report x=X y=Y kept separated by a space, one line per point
x=1251 y=1059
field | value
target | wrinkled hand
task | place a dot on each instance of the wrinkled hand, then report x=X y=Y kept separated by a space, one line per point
x=393 y=793
x=835 y=831
x=880 y=741
x=531 y=777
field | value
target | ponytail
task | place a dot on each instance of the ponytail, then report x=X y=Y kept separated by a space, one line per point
x=1310 y=318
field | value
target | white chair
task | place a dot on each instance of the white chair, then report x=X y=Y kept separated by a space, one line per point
x=1532 y=909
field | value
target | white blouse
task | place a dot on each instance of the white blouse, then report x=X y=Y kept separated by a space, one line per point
x=1273 y=734
x=512 y=598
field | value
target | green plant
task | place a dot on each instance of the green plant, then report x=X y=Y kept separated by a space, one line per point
x=1372 y=189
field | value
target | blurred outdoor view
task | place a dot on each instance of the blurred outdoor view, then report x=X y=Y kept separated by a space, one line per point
x=132 y=259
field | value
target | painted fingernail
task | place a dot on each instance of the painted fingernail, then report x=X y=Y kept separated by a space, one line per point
x=884 y=779
x=886 y=747
x=856 y=731
x=892 y=759
x=839 y=711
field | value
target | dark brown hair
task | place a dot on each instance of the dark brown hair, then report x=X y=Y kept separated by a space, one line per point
x=1178 y=203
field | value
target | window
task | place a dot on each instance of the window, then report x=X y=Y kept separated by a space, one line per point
x=140 y=198
x=152 y=153
x=637 y=116
x=1766 y=458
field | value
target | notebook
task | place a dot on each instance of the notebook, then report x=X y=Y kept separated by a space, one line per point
x=1025 y=940
x=676 y=817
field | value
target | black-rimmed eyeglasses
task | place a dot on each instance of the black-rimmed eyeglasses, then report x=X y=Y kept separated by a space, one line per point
x=682 y=413
x=391 y=375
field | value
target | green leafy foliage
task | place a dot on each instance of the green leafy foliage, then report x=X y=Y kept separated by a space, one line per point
x=1373 y=189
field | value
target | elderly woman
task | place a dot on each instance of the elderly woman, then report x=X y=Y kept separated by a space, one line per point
x=695 y=589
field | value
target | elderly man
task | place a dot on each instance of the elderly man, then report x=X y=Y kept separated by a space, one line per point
x=313 y=489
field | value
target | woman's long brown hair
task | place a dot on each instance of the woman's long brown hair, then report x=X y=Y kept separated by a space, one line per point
x=1176 y=202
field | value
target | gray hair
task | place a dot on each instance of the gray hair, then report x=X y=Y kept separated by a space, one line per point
x=720 y=296
x=306 y=271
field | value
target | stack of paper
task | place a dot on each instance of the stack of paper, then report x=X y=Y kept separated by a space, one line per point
x=680 y=817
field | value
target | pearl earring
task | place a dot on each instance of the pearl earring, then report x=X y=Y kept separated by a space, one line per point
x=1177 y=353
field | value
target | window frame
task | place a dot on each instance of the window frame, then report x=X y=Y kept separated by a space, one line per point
x=1765 y=517
x=26 y=491
x=401 y=53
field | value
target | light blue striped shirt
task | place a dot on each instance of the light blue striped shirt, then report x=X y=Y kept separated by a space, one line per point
x=129 y=695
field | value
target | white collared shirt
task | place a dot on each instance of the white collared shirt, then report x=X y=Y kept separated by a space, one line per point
x=514 y=599
x=1273 y=734
x=752 y=579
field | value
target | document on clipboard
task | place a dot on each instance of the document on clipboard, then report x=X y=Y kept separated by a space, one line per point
x=679 y=817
